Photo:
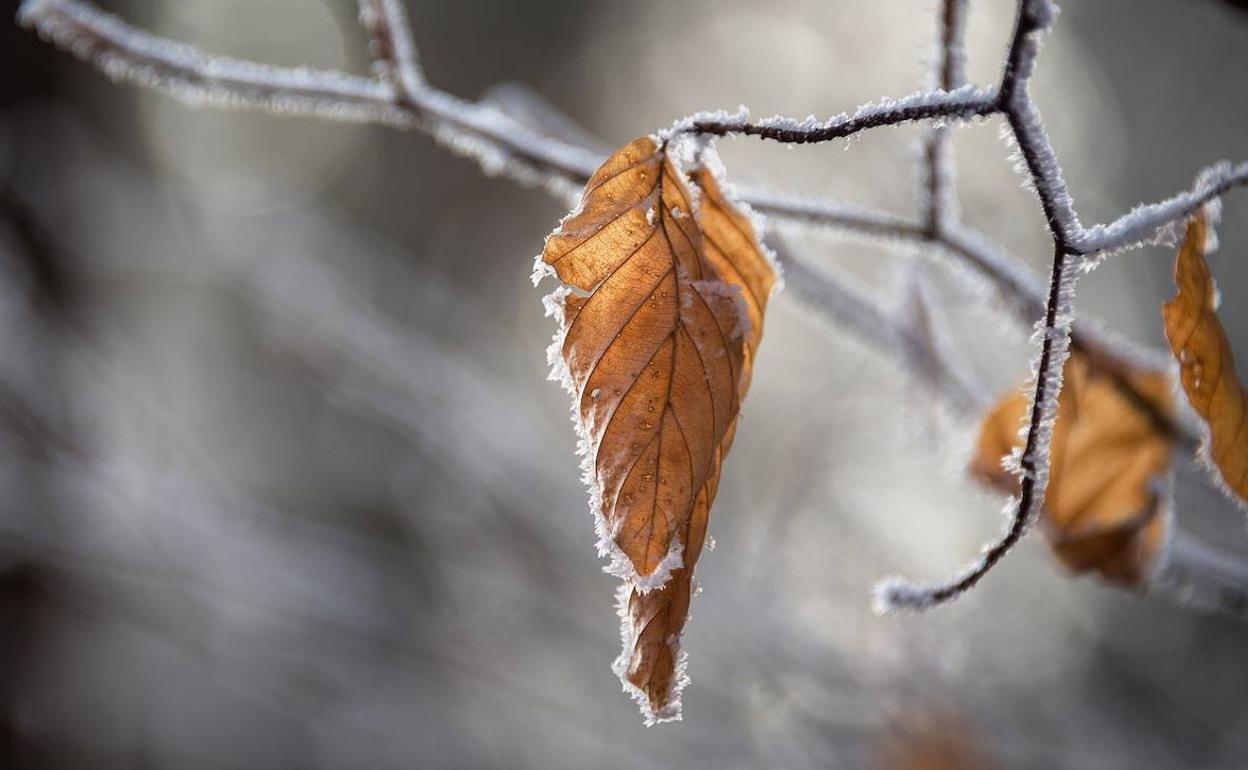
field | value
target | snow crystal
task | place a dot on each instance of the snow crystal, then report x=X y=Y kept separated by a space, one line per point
x=540 y=271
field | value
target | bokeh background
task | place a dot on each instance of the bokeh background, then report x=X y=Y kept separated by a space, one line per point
x=283 y=485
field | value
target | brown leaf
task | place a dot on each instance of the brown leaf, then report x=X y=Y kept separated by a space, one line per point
x=942 y=742
x=658 y=330
x=1206 y=365
x=1104 y=510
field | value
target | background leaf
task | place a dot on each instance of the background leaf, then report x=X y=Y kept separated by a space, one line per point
x=1206 y=364
x=1106 y=505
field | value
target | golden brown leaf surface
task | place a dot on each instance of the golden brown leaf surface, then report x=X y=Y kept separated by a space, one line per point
x=1104 y=509
x=658 y=341
x=1206 y=365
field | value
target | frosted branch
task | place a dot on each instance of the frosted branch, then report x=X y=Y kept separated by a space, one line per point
x=843 y=217
x=1053 y=333
x=939 y=201
x=393 y=46
x=1201 y=577
x=963 y=103
x=880 y=329
x=501 y=144
x=1054 y=337
x=1034 y=18
x=952 y=44
x=482 y=132
x=1154 y=222
x=126 y=53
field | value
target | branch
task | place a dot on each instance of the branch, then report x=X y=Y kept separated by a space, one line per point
x=1155 y=222
x=894 y=593
x=961 y=104
x=852 y=310
x=393 y=47
x=497 y=141
x=502 y=144
x=124 y=52
x=1070 y=241
x=1034 y=18
x=939 y=203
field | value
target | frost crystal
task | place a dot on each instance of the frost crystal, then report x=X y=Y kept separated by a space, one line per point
x=672 y=711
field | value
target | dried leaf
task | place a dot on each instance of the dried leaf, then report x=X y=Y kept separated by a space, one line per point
x=658 y=329
x=651 y=664
x=1104 y=510
x=942 y=742
x=1206 y=364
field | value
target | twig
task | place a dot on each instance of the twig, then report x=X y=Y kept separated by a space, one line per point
x=854 y=311
x=961 y=104
x=939 y=202
x=1070 y=241
x=1152 y=222
x=481 y=131
x=1034 y=17
x=1202 y=577
x=392 y=45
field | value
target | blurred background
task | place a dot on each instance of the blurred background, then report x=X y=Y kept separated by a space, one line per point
x=283 y=485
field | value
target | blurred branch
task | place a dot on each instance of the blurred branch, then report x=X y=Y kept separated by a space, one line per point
x=392 y=46
x=879 y=328
x=940 y=199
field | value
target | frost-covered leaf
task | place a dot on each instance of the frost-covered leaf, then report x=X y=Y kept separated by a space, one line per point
x=1206 y=364
x=659 y=322
x=651 y=665
x=1106 y=507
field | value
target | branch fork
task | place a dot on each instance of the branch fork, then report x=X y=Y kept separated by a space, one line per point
x=401 y=97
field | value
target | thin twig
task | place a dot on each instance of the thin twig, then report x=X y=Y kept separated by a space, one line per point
x=880 y=329
x=962 y=104
x=1153 y=222
x=1034 y=17
x=392 y=45
x=939 y=199
x=895 y=593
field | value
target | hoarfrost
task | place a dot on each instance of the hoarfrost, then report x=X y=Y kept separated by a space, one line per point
x=1154 y=223
x=709 y=158
x=672 y=711
x=618 y=562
